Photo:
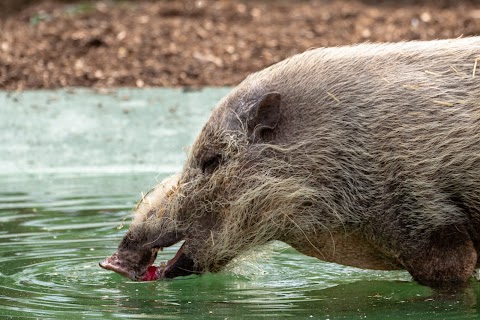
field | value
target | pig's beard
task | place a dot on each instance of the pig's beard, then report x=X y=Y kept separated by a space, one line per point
x=247 y=202
x=243 y=206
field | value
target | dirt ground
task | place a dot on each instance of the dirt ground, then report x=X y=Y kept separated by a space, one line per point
x=51 y=44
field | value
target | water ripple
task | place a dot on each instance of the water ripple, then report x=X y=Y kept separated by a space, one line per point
x=51 y=242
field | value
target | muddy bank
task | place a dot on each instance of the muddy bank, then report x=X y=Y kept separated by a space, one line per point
x=53 y=44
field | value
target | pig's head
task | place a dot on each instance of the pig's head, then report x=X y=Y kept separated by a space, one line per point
x=237 y=190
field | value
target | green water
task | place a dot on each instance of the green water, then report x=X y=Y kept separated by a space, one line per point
x=72 y=166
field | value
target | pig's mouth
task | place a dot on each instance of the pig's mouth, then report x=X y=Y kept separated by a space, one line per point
x=180 y=265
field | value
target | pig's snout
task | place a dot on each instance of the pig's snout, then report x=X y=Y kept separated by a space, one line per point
x=132 y=266
x=113 y=263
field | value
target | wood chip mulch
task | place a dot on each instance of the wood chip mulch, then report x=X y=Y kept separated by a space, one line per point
x=52 y=44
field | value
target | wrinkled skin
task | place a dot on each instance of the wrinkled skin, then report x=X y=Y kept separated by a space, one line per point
x=366 y=156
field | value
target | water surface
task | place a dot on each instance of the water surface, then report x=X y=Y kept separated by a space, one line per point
x=73 y=165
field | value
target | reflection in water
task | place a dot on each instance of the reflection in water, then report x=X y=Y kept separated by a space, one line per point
x=52 y=238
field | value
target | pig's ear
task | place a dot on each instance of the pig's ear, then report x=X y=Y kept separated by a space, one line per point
x=263 y=115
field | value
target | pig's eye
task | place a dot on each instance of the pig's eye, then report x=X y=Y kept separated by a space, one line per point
x=211 y=163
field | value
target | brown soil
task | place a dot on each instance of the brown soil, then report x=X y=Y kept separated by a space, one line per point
x=50 y=44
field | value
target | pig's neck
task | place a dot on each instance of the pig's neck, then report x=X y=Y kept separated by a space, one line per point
x=343 y=247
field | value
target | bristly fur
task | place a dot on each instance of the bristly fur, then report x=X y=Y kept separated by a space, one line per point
x=375 y=157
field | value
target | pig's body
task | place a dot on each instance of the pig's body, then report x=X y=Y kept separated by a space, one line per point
x=366 y=155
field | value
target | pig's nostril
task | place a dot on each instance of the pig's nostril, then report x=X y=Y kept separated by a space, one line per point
x=108 y=264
